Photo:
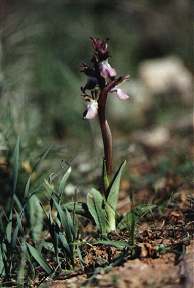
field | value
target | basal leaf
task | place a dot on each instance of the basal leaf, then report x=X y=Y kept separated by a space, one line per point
x=39 y=259
x=113 y=190
x=96 y=206
x=105 y=176
x=111 y=218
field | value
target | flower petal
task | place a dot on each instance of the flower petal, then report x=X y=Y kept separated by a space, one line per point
x=120 y=93
x=103 y=72
x=106 y=71
x=92 y=110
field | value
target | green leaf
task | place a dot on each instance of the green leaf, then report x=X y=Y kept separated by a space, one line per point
x=126 y=221
x=105 y=176
x=17 y=228
x=17 y=202
x=70 y=228
x=27 y=188
x=161 y=248
x=21 y=273
x=63 y=182
x=129 y=222
x=117 y=244
x=36 y=217
x=50 y=188
x=16 y=165
x=132 y=228
x=16 y=156
x=113 y=190
x=48 y=246
x=96 y=206
x=5 y=257
x=142 y=210
x=111 y=217
x=42 y=157
x=66 y=222
x=64 y=243
x=78 y=208
x=39 y=259
x=2 y=225
x=9 y=228
x=2 y=268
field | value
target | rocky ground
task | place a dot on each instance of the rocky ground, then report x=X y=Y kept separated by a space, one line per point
x=164 y=247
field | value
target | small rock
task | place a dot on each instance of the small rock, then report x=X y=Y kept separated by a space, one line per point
x=161 y=76
x=154 y=138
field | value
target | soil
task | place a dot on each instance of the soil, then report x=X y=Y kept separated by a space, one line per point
x=164 y=253
x=161 y=272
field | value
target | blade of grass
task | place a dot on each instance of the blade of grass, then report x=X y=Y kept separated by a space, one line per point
x=42 y=157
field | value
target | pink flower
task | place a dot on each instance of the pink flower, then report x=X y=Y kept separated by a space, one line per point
x=106 y=71
x=91 y=110
x=120 y=93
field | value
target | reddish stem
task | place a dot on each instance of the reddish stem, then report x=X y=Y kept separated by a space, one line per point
x=105 y=129
x=107 y=139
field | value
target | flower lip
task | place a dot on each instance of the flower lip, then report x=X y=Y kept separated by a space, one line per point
x=120 y=93
x=91 y=110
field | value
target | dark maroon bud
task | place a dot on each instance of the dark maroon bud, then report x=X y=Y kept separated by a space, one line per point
x=101 y=48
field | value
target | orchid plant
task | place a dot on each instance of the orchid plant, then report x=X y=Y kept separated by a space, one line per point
x=102 y=80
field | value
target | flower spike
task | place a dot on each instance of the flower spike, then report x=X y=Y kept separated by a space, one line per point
x=102 y=80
